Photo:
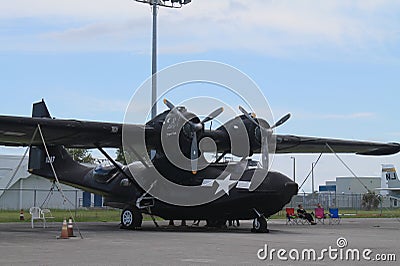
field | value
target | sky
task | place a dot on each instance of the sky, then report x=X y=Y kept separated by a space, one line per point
x=334 y=65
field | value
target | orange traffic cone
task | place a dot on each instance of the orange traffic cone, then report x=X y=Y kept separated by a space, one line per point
x=70 y=228
x=21 y=215
x=64 y=230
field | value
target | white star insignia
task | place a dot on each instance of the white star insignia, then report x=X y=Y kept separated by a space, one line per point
x=224 y=184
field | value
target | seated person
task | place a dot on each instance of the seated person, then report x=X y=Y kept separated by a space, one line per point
x=302 y=213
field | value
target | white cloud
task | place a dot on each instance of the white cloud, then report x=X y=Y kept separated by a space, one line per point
x=271 y=27
x=72 y=9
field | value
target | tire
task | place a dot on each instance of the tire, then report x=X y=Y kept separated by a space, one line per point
x=131 y=218
x=259 y=225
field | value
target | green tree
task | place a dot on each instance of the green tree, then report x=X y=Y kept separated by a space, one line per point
x=81 y=155
x=120 y=156
x=370 y=201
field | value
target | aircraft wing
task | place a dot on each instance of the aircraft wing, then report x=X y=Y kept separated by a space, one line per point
x=300 y=144
x=18 y=131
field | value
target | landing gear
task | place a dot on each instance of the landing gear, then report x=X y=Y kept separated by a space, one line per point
x=260 y=225
x=131 y=218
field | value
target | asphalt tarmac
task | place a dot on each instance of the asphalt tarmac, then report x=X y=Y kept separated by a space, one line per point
x=106 y=244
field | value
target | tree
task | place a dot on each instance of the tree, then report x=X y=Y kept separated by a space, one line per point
x=120 y=156
x=370 y=201
x=81 y=155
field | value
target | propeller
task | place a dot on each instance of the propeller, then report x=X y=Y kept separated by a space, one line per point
x=246 y=114
x=213 y=115
x=281 y=121
x=195 y=127
x=168 y=104
x=264 y=134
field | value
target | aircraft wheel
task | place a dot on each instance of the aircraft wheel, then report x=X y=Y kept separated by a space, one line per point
x=131 y=218
x=260 y=225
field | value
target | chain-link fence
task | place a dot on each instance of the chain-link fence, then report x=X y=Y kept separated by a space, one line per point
x=16 y=199
x=341 y=201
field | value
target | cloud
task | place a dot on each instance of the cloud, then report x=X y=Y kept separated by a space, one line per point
x=281 y=28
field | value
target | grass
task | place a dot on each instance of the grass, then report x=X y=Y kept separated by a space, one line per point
x=81 y=215
x=113 y=215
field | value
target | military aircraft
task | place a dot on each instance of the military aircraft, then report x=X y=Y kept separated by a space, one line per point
x=244 y=189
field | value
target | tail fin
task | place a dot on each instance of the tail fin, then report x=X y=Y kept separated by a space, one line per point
x=389 y=174
x=40 y=163
x=37 y=157
x=39 y=109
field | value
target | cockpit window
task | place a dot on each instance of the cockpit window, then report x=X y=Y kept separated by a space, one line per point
x=105 y=172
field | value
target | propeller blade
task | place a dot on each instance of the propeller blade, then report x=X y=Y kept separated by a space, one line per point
x=265 y=153
x=168 y=104
x=193 y=153
x=172 y=107
x=213 y=115
x=264 y=136
x=247 y=115
x=281 y=121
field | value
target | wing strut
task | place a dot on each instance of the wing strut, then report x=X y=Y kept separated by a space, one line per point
x=316 y=162
x=115 y=163
x=50 y=161
x=22 y=159
x=55 y=175
x=221 y=157
x=138 y=156
x=348 y=168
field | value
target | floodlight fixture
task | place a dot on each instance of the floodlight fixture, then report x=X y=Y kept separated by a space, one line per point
x=166 y=3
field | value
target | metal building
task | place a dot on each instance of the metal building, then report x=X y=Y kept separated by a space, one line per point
x=21 y=190
x=361 y=185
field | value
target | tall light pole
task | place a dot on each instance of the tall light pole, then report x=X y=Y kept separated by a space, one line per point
x=154 y=63
x=312 y=177
x=155 y=4
x=294 y=168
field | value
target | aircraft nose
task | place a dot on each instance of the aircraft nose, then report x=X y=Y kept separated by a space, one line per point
x=290 y=189
x=283 y=185
x=287 y=189
x=279 y=183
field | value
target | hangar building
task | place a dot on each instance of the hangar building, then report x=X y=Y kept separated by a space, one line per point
x=21 y=190
x=351 y=185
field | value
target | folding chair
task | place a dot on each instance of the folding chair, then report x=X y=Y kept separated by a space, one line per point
x=319 y=215
x=302 y=219
x=46 y=214
x=291 y=217
x=36 y=214
x=334 y=217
